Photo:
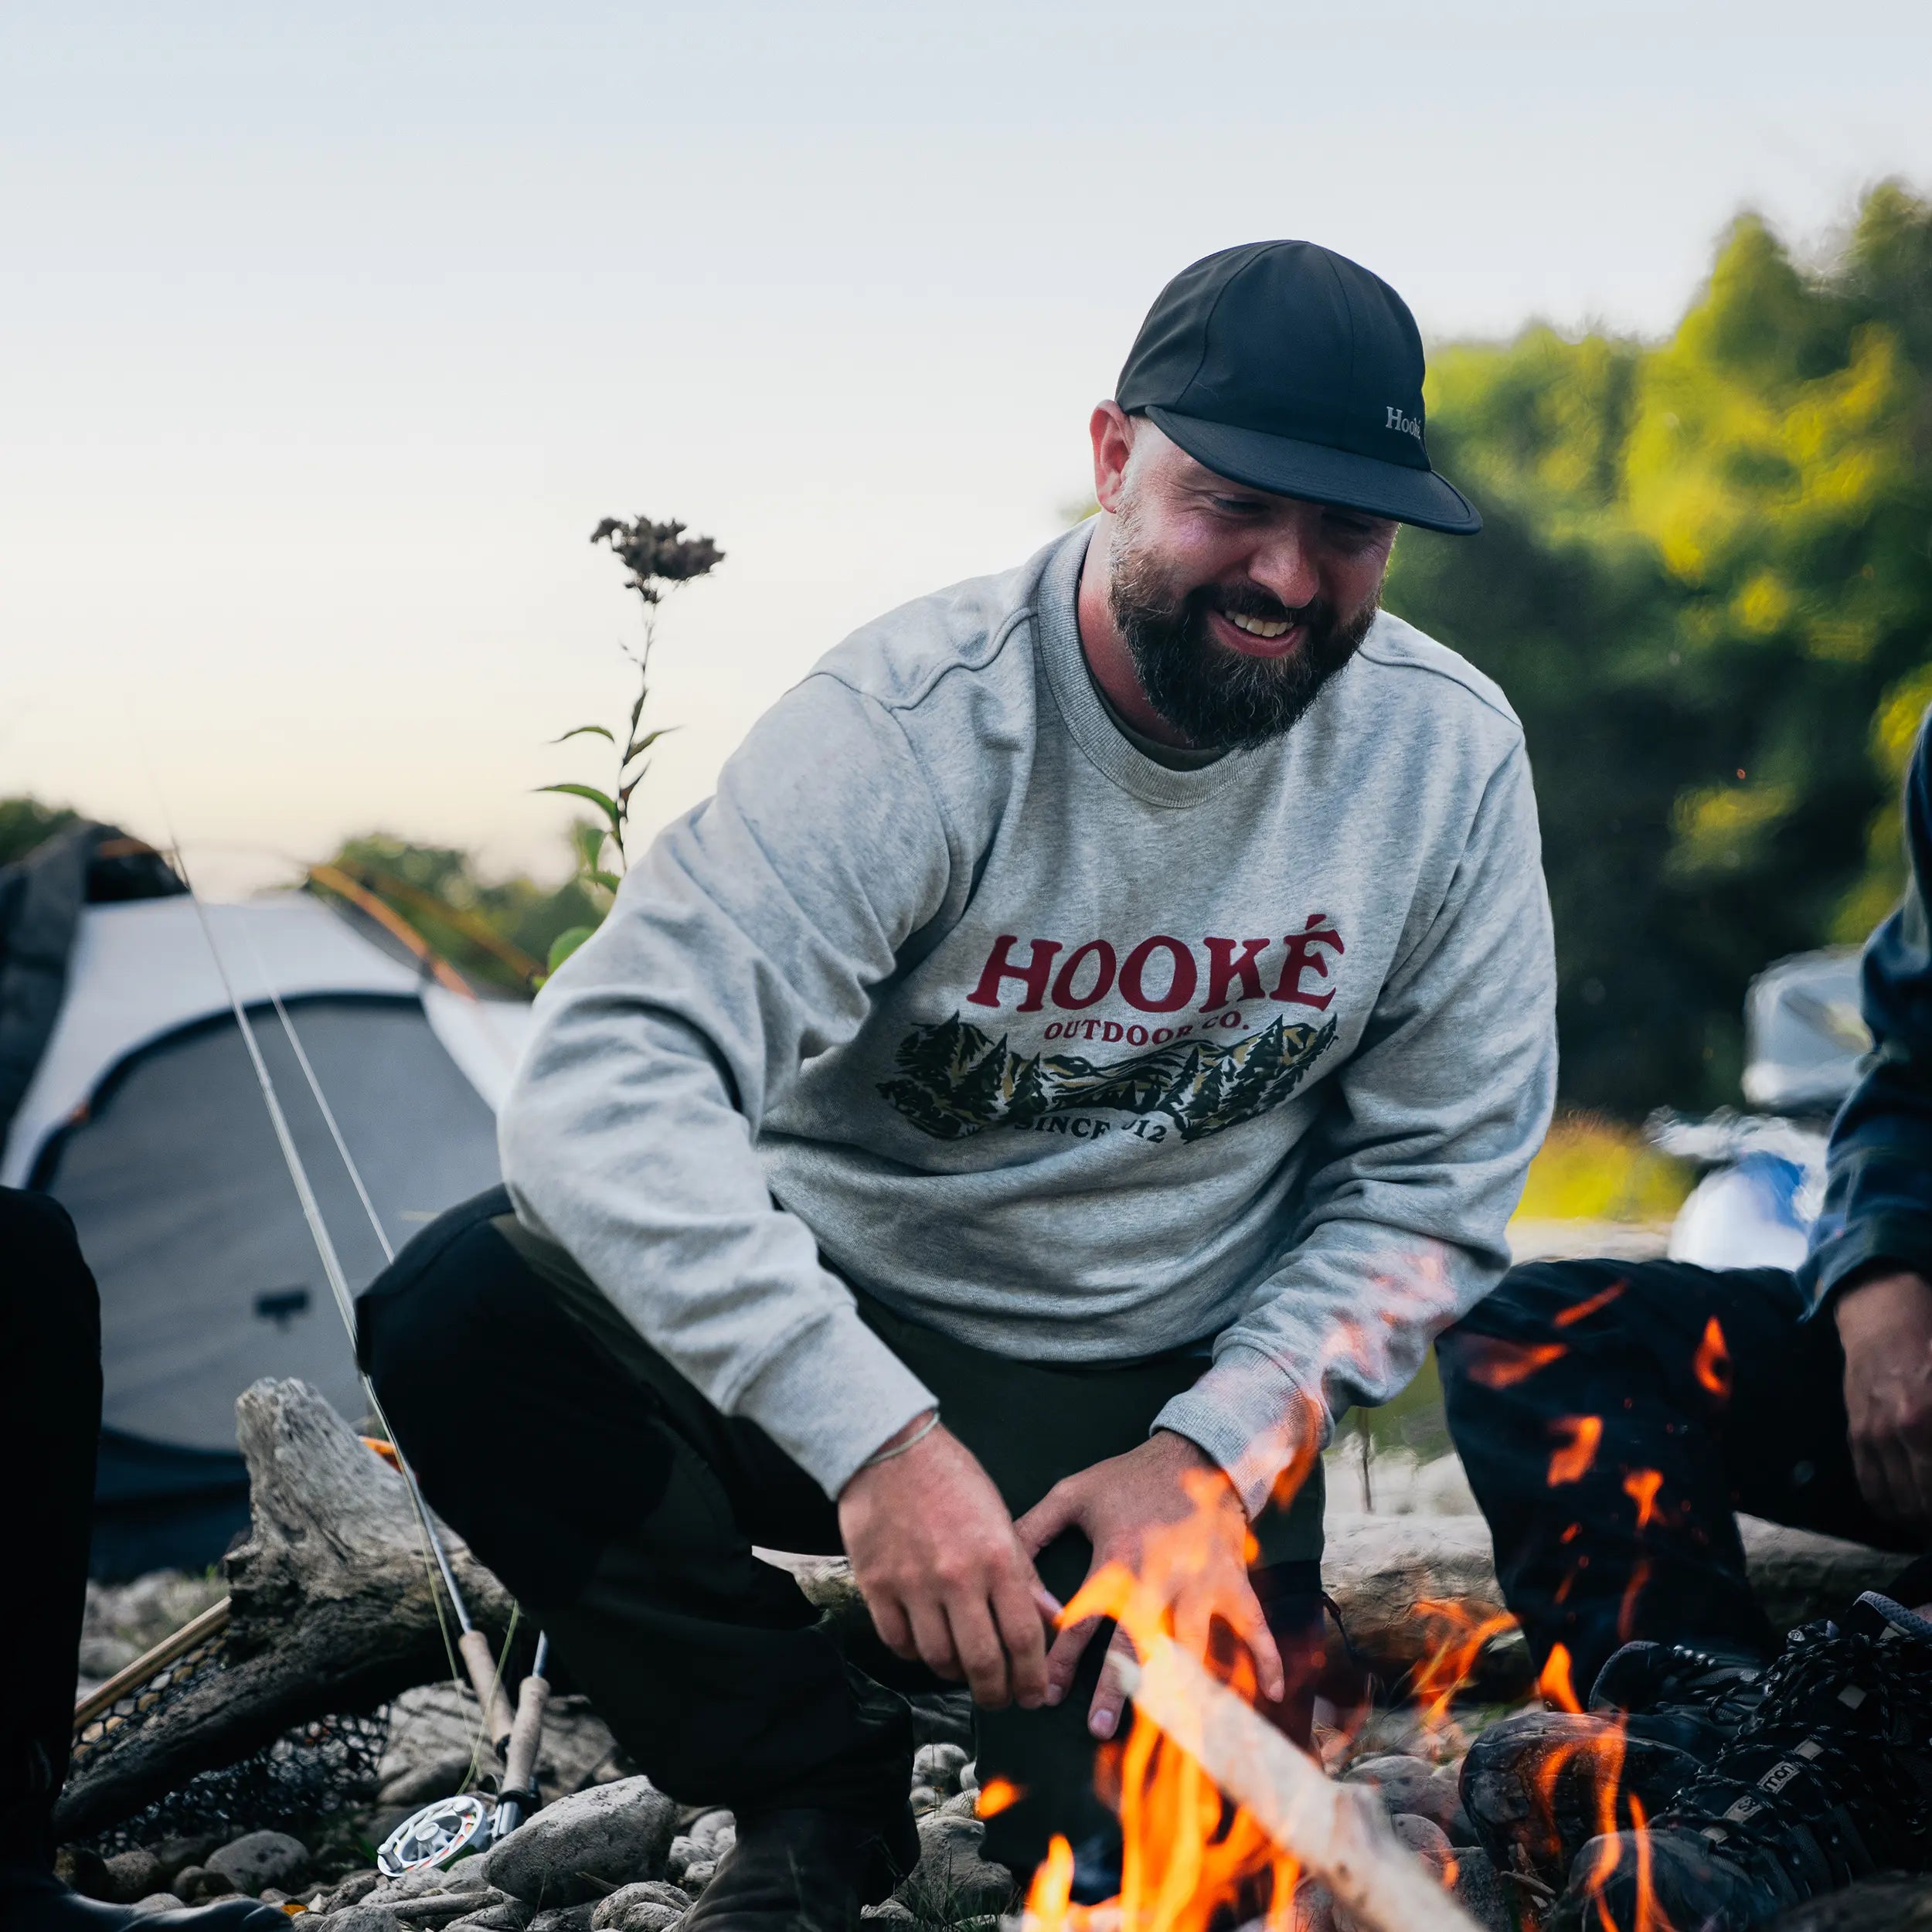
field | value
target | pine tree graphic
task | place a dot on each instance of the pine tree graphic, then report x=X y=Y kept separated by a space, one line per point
x=954 y=1081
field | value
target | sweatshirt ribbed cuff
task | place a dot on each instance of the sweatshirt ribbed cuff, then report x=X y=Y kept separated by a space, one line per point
x=1251 y=1416
x=831 y=1396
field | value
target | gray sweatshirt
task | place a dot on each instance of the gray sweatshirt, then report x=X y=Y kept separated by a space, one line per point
x=952 y=994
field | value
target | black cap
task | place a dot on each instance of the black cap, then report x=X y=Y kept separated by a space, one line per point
x=1293 y=370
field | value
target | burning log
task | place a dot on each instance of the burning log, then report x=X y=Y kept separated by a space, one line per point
x=333 y=1608
x=1338 y=1833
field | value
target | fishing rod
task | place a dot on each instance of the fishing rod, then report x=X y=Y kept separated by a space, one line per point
x=438 y=1833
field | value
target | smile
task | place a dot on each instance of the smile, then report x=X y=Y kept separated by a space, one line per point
x=1259 y=627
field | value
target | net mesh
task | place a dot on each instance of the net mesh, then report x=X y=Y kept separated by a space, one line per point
x=310 y=1769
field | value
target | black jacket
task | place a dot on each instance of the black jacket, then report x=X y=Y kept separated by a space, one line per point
x=1878 y=1197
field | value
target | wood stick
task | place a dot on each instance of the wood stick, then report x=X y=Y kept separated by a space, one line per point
x=197 y=1629
x=1339 y=1832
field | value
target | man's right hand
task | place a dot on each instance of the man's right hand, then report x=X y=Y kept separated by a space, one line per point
x=934 y=1554
x=1885 y=1323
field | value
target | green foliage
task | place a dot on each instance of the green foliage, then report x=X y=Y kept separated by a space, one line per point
x=1706 y=586
x=25 y=822
x=499 y=932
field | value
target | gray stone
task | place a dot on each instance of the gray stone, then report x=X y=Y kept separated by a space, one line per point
x=714 y=1831
x=951 y=1880
x=507 y=1915
x=925 y=1797
x=443 y=1908
x=1427 y=1841
x=681 y=1854
x=582 y=1848
x=697 y=1874
x=128 y=1877
x=351 y=1890
x=157 y=1902
x=889 y=1913
x=626 y=1910
x=564 y=1918
x=1314 y=1908
x=1480 y=1893
x=422 y=1784
x=969 y=1777
x=193 y=1883
x=938 y=1765
x=1402 y=1782
x=1445 y=1804
x=175 y=1854
x=365 y=1918
x=260 y=1858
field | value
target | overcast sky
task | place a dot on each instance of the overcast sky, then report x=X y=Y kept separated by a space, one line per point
x=329 y=331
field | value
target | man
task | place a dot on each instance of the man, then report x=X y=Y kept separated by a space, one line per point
x=1096 y=1033
x=1681 y=1394
x=50 y=1351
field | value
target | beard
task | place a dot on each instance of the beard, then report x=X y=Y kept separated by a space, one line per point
x=1214 y=696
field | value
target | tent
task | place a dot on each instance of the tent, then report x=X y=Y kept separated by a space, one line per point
x=126 y=1092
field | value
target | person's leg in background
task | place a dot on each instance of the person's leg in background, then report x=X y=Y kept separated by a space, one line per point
x=50 y=1362
x=1614 y=1416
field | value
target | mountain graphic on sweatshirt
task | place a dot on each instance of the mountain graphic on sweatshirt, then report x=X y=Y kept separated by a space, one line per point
x=955 y=1080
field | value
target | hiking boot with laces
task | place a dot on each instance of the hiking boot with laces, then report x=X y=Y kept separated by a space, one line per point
x=1536 y=1787
x=1830 y=1779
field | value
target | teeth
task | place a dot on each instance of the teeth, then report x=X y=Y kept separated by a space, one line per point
x=1259 y=627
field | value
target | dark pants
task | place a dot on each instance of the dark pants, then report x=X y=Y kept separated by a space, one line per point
x=50 y=1395
x=620 y=1508
x=1642 y=1542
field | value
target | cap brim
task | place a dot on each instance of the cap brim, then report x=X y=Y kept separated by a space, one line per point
x=1284 y=467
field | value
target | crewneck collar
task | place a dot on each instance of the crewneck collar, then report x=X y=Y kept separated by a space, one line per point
x=1089 y=718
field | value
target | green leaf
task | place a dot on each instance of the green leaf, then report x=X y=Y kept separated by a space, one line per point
x=639 y=746
x=577 y=731
x=566 y=942
x=608 y=880
x=607 y=806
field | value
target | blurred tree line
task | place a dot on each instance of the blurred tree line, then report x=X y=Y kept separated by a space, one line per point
x=1705 y=582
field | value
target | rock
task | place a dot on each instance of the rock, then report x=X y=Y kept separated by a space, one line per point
x=1403 y=1784
x=466 y=1875
x=1445 y=1804
x=194 y=1883
x=635 y=1908
x=969 y=1776
x=889 y=1913
x=131 y=1875
x=682 y=1854
x=174 y=1853
x=424 y=1783
x=365 y=1918
x=156 y=1902
x=713 y=1832
x=580 y=1849
x=697 y=1874
x=260 y=1858
x=939 y=1766
x=510 y=1915
x=951 y=1880
x=351 y=1890
x=445 y=1908
x=1428 y=1841
x=925 y=1797
x=962 y=1804
x=1314 y=1908
x=1480 y=1892
x=564 y=1918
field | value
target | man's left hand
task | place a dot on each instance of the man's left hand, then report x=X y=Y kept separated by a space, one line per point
x=1117 y=1504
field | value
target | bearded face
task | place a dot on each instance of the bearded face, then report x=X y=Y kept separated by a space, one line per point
x=1212 y=695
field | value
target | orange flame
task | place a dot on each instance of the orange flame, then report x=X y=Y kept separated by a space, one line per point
x=1641 y=1486
x=996 y=1795
x=1712 y=1365
x=1047 y=1897
x=1571 y=1463
x=1626 y=1610
x=1502 y=1365
x=1452 y=1659
x=1583 y=1310
x=1554 y=1686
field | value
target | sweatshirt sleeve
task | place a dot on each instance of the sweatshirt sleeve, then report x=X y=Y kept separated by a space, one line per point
x=1878 y=1190
x=1421 y=1151
x=744 y=943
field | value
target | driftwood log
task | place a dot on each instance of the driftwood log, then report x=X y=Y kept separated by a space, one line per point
x=333 y=1608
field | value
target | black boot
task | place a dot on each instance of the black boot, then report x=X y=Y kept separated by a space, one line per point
x=804 y=1871
x=1831 y=1780
x=1534 y=1786
x=34 y=1900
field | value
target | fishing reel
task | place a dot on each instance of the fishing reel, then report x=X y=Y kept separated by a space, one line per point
x=439 y=1834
